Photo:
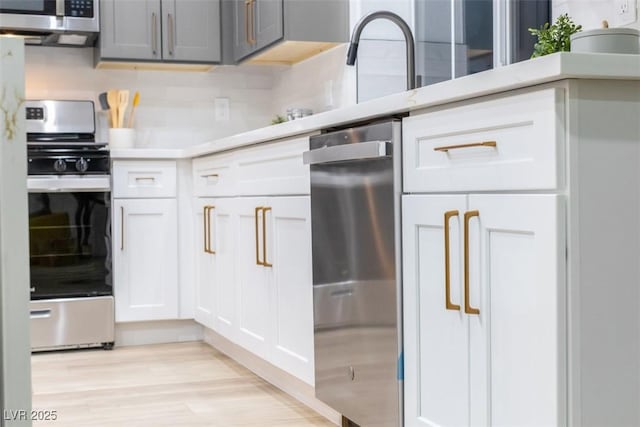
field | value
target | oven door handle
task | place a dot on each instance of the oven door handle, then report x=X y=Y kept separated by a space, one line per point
x=40 y=314
x=67 y=184
x=345 y=152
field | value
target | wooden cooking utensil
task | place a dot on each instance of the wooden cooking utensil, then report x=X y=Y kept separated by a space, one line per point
x=136 y=101
x=112 y=100
x=123 y=101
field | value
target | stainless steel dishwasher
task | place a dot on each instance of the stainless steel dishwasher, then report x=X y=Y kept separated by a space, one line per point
x=355 y=217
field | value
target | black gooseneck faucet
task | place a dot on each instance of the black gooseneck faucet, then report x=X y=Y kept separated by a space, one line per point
x=408 y=36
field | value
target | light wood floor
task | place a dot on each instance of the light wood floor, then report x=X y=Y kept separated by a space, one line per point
x=184 y=384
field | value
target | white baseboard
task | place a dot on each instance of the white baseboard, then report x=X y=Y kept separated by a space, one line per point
x=157 y=332
x=286 y=382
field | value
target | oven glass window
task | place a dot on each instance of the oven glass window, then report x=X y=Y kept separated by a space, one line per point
x=70 y=244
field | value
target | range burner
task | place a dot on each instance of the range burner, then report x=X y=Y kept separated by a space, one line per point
x=61 y=139
x=67 y=161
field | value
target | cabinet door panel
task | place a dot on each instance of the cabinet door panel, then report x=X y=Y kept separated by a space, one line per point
x=252 y=280
x=517 y=350
x=290 y=242
x=269 y=26
x=130 y=29
x=435 y=338
x=191 y=30
x=145 y=260
x=223 y=229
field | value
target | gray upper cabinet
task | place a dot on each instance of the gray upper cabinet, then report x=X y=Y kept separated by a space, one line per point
x=130 y=29
x=282 y=31
x=258 y=23
x=160 y=30
x=267 y=23
x=191 y=30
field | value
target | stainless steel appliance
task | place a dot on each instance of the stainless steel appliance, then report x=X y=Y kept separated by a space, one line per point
x=355 y=217
x=69 y=227
x=51 y=22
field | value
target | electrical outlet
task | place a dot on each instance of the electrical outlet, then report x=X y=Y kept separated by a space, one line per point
x=221 y=106
x=624 y=12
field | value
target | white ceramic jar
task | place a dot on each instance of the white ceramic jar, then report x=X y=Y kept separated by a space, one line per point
x=607 y=40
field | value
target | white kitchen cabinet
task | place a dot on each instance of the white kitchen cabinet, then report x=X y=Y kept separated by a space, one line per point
x=484 y=274
x=254 y=293
x=484 y=303
x=256 y=289
x=267 y=169
x=215 y=261
x=502 y=143
x=145 y=259
x=275 y=307
x=552 y=172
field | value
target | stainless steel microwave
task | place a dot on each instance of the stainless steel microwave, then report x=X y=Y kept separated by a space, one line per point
x=51 y=22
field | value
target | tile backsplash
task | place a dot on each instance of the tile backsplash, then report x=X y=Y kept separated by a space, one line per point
x=177 y=109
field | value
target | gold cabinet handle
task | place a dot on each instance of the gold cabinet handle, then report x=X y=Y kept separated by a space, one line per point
x=154 y=34
x=252 y=26
x=207 y=227
x=247 y=4
x=171 y=33
x=258 y=262
x=467 y=306
x=122 y=228
x=446 y=148
x=264 y=237
x=447 y=262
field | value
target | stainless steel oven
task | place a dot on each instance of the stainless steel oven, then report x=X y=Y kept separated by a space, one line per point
x=51 y=22
x=69 y=228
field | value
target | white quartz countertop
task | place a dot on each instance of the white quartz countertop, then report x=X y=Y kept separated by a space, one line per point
x=545 y=69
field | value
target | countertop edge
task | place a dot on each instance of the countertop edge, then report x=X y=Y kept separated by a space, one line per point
x=546 y=69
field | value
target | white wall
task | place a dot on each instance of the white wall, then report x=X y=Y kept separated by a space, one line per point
x=321 y=83
x=589 y=13
x=176 y=108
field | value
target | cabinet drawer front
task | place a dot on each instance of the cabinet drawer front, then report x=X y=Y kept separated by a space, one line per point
x=274 y=169
x=510 y=143
x=141 y=179
x=214 y=176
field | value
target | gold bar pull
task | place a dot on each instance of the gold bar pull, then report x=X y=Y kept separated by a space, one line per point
x=447 y=262
x=258 y=262
x=446 y=148
x=208 y=213
x=264 y=237
x=247 y=4
x=205 y=233
x=122 y=228
x=467 y=307
x=252 y=36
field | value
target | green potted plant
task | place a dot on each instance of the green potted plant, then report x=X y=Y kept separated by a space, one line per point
x=554 y=38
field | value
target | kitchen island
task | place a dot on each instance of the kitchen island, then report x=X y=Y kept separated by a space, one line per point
x=520 y=242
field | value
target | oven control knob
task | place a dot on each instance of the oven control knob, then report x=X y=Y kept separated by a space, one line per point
x=82 y=165
x=60 y=165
